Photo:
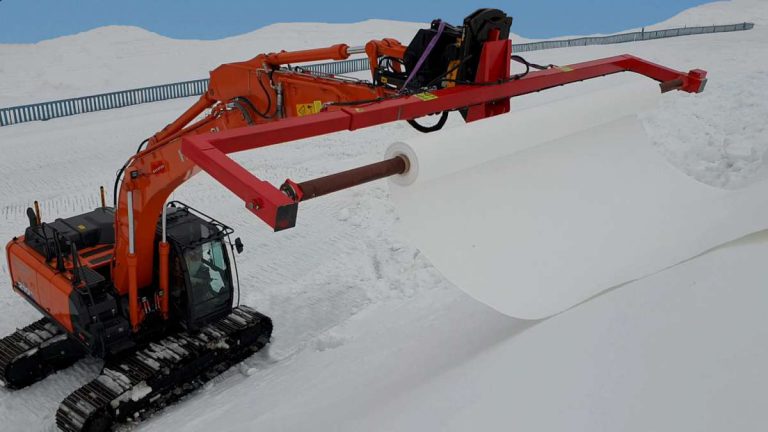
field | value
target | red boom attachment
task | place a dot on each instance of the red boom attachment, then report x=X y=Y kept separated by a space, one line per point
x=488 y=97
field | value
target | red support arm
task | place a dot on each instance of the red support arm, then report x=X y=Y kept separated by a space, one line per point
x=209 y=151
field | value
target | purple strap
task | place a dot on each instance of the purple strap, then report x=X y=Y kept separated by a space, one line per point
x=424 y=55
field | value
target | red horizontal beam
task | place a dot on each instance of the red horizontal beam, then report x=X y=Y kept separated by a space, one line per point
x=209 y=151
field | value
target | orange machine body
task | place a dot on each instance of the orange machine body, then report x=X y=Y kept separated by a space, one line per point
x=269 y=103
x=43 y=284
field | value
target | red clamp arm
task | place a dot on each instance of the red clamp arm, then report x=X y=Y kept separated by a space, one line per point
x=209 y=151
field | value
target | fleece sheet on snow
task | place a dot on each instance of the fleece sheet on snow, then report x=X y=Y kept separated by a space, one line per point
x=536 y=211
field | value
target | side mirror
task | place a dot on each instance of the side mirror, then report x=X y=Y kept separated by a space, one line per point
x=239 y=246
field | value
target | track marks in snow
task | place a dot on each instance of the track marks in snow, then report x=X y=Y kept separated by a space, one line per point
x=62 y=205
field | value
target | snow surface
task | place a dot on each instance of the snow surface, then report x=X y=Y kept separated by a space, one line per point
x=578 y=215
x=718 y=137
x=369 y=336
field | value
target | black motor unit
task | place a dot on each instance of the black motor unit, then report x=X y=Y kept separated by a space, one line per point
x=454 y=57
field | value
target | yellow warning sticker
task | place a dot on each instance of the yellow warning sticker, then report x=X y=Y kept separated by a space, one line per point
x=566 y=68
x=82 y=227
x=309 y=108
x=426 y=96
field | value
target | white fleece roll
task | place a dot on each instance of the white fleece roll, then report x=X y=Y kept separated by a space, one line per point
x=538 y=210
x=436 y=155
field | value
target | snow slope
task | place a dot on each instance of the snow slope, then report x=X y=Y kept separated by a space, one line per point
x=368 y=334
x=684 y=350
x=717 y=137
x=122 y=57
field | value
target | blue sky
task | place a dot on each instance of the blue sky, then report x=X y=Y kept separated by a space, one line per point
x=25 y=21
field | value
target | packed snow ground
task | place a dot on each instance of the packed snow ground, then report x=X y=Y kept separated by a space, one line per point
x=368 y=334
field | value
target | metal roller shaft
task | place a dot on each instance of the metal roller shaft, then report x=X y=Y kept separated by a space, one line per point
x=344 y=180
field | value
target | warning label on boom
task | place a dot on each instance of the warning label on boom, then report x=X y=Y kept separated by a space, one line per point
x=309 y=108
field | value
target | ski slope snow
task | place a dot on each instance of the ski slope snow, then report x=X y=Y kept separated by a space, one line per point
x=369 y=335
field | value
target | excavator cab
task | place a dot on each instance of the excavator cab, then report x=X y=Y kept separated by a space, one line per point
x=201 y=282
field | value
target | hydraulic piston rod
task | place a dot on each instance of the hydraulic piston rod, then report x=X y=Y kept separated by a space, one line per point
x=335 y=182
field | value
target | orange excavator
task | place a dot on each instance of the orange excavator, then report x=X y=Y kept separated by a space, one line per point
x=149 y=285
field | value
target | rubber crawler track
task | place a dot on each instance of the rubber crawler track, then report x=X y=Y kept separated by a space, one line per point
x=34 y=352
x=133 y=388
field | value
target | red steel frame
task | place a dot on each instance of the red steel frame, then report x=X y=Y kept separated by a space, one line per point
x=209 y=151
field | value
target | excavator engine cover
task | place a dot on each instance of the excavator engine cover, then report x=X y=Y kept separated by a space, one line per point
x=85 y=230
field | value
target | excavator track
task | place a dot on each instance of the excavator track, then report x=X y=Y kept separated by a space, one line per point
x=131 y=389
x=30 y=354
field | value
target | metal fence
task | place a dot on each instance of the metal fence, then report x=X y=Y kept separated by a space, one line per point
x=79 y=105
x=631 y=37
x=340 y=67
x=100 y=102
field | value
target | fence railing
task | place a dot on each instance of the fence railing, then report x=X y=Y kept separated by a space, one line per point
x=100 y=102
x=631 y=37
